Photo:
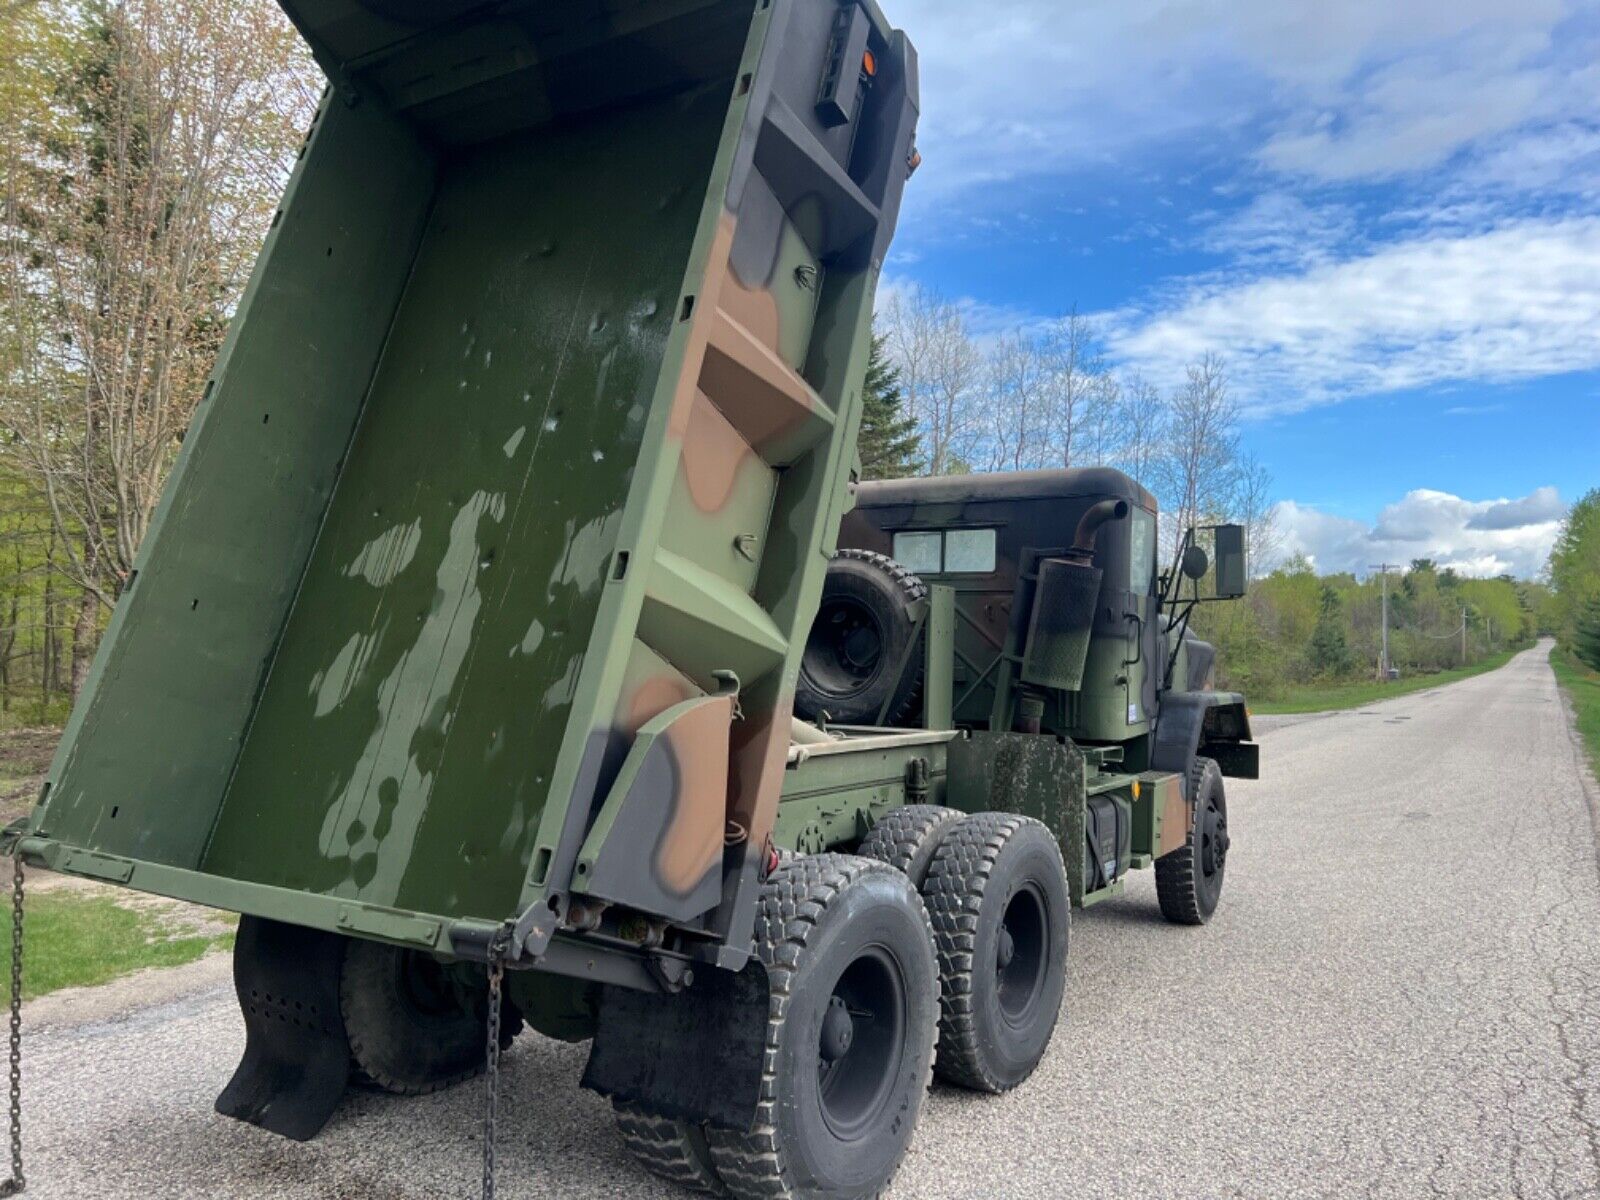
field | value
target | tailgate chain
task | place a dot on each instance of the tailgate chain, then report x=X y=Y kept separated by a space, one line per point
x=17 y=1183
x=498 y=950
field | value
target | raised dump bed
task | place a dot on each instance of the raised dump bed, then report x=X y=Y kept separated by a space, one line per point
x=463 y=652
x=517 y=475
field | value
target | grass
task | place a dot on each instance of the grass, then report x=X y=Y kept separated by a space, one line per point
x=1583 y=687
x=1327 y=696
x=74 y=940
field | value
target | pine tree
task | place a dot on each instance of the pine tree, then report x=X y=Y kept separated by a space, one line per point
x=1330 y=653
x=889 y=442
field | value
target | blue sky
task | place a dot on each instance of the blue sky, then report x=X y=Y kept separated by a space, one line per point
x=1384 y=215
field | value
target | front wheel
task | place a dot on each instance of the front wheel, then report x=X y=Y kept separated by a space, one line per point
x=1189 y=880
x=850 y=1033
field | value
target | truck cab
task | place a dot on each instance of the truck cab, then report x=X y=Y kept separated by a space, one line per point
x=977 y=534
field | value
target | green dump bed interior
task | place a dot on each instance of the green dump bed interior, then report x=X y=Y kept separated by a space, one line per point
x=534 y=423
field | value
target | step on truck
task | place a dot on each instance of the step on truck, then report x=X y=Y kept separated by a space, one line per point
x=513 y=645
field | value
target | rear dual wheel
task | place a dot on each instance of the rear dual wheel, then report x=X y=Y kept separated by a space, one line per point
x=670 y=1149
x=853 y=1016
x=996 y=893
x=863 y=986
x=415 y=1024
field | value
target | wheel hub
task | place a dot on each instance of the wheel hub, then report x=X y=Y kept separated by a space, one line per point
x=1021 y=955
x=860 y=1043
x=860 y=648
x=846 y=647
x=1216 y=843
x=1006 y=949
x=838 y=1031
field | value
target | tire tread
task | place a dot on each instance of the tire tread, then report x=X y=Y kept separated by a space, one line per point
x=954 y=894
x=809 y=703
x=669 y=1149
x=902 y=834
x=1176 y=888
x=791 y=906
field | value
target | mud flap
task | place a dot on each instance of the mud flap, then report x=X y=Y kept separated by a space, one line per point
x=693 y=1056
x=297 y=1058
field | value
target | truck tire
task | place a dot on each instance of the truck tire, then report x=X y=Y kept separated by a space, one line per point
x=673 y=1150
x=864 y=624
x=908 y=837
x=997 y=895
x=851 y=1029
x=1189 y=880
x=413 y=1027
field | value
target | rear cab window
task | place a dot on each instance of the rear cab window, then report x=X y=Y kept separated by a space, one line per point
x=946 y=551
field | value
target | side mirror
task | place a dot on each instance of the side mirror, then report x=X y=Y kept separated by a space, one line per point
x=1231 y=568
x=1195 y=563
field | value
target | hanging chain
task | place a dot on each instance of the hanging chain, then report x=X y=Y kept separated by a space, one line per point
x=17 y=1183
x=497 y=970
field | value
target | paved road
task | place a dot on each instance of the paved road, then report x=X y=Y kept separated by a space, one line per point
x=1400 y=996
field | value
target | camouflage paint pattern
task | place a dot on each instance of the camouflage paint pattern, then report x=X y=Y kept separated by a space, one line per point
x=550 y=469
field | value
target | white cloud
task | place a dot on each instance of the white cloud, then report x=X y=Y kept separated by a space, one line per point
x=1520 y=301
x=1558 y=162
x=1278 y=229
x=1358 y=89
x=1414 y=114
x=1472 y=537
x=1541 y=507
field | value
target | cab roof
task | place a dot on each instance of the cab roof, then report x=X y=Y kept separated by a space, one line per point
x=1059 y=483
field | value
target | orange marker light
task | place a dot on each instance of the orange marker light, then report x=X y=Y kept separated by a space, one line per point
x=869 y=64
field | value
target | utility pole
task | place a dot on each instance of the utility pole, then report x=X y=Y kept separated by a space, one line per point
x=1463 y=637
x=1383 y=663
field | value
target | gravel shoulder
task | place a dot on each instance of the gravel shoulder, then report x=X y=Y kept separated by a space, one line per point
x=1400 y=996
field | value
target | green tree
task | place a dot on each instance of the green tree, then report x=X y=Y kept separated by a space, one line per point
x=124 y=246
x=1330 y=652
x=889 y=443
x=1575 y=566
x=1586 y=632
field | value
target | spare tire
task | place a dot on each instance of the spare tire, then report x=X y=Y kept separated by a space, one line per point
x=851 y=667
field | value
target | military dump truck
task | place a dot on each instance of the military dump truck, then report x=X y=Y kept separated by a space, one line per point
x=513 y=646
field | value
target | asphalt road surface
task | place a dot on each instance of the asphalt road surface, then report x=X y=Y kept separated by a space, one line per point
x=1399 y=996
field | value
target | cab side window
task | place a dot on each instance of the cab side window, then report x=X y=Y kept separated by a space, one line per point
x=1142 y=559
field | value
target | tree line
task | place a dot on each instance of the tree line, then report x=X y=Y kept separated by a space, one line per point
x=1045 y=395
x=143 y=145
x=940 y=400
x=1574 y=571
x=1295 y=627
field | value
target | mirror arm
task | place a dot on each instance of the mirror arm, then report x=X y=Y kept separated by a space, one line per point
x=1180 y=627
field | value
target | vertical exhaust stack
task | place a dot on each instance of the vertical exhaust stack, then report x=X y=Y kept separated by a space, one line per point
x=1064 y=600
